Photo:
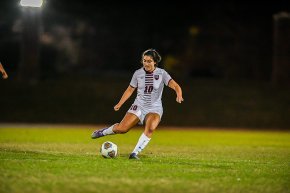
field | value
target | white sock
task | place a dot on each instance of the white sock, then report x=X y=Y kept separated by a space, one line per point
x=109 y=130
x=142 y=143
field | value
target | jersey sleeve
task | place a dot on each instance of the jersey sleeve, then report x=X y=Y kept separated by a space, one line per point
x=134 y=82
x=166 y=77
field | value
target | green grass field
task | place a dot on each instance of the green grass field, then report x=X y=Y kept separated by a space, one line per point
x=66 y=160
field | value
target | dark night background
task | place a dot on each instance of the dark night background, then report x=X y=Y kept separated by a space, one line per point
x=217 y=47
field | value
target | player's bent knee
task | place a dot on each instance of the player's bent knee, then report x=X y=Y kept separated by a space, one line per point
x=149 y=132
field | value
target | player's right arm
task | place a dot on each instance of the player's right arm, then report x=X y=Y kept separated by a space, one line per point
x=126 y=95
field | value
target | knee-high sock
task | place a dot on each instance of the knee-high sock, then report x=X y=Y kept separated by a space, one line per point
x=142 y=143
x=109 y=130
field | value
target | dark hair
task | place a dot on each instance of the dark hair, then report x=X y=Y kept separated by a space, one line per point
x=153 y=53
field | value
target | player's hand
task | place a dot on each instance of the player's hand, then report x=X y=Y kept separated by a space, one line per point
x=117 y=107
x=179 y=99
x=4 y=75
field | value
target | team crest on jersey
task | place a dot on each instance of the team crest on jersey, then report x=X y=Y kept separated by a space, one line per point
x=156 y=77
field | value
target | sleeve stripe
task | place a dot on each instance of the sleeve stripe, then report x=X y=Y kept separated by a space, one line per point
x=168 y=81
x=132 y=86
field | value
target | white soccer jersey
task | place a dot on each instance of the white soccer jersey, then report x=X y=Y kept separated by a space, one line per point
x=150 y=86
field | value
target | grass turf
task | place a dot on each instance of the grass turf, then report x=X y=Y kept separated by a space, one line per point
x=66 y=160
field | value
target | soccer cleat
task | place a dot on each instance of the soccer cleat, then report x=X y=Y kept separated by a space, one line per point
x=98 y=133
x=133 y=156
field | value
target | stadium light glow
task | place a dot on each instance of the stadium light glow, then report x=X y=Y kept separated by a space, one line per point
x=31 y=3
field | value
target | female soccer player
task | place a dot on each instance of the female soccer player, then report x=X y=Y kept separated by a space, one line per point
x=147 y=108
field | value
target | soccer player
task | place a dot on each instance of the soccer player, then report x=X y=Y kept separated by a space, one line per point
x=147 y=108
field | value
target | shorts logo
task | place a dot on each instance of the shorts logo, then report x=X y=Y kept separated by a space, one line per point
x=156 y=77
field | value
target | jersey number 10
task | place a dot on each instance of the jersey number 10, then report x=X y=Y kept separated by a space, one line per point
x=148 y=89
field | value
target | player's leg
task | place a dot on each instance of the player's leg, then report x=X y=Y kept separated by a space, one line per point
x=151 y=122
x=129 y=121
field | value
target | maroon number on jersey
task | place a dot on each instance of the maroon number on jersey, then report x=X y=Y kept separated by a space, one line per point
x=134 y=107
x=148 y=89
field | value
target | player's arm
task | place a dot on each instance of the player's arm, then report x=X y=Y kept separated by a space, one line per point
x=2 y=70
x=172 y=84
x=128 y=92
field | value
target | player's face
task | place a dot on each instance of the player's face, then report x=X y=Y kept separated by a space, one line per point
x=148 y=63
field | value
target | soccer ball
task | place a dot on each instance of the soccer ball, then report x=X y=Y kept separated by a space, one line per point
x=109 y=150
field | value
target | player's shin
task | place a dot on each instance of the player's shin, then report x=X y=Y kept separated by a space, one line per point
x=103 y=132
x=109 y=130
x=142 y=143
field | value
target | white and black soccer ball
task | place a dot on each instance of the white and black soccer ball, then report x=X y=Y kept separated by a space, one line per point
x=109 y=150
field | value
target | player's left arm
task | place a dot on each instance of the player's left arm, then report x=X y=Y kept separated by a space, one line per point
x=172 y=84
